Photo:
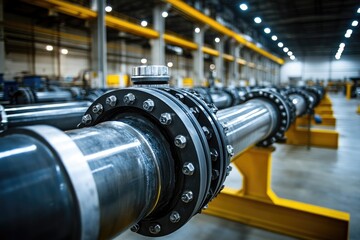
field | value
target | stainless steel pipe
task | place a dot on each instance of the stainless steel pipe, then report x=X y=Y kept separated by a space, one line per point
x=64 y=116
x=299 y=103
x=248 y=123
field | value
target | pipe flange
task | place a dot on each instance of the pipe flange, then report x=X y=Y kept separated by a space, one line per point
x=235 y=97
x=284 y=114
x=308 y=100
x=188 y=146
x=202 y=92
x=317 y=93
x=215 y=135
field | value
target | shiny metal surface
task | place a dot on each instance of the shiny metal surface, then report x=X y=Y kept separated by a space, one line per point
x=221 y=99
x=125 y=170
x=153 y=70
x=248 y=123
x=299 y=102
x=37 y=107
x=64 y=119
x=56 y=96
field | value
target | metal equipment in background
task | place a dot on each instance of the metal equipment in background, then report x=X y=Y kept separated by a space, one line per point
x=64 y=116
x=148 y=157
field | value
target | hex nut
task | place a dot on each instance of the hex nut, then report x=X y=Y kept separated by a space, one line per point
x=129 y=98
x=148 y=105
x=86 y=119
x=135 y=228
x=155 y=229
x=165 y=118
x=174 y=217
x=188 y=169
x=180 y=141
x=230 y=150
x=187 y=196
x=111 y=100
x=98 y=108
x=207 y=132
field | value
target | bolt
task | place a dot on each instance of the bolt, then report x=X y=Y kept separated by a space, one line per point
x=188 y=169
x=111 y=100
x=174 y=217
x=179 y=96
x=129 y=98
x=155 y=229
x=187 y=196
x=148 y=105
x=180 y=141
x=228 y=170
x=214 y=155
x=195 y=111
x=230 y=150
x=97 y=109
x=215 y=174
x=165 y=118
x=205 y=207
x=277 y=100
x=135 y=228
x=207 y=132
x=86 y=119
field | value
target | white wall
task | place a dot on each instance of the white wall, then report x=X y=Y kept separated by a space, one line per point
x=321 y=68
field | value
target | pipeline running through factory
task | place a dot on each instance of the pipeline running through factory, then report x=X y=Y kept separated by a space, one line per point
x=149 y=157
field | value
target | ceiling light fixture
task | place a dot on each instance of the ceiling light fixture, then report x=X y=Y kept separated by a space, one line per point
x=164 y=14
x=289 y=53
x=280 y=44
x=108 y=9
x=144 y=23
x=285 y=49
x=341 y=45
x=49 y=48
x=274 y=37
x=358 y=11
x=64 y=51
x=217 y=40
x=197 y=30
x=170 y=64
x=354 y=23
x=292 y=57
x=267 y=30
x=243 y=7
x=257 y=20
x=143 y=60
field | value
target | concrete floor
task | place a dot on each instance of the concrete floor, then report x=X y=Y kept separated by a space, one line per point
x=323 y=177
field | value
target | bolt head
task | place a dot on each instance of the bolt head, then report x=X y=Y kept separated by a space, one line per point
x=86 y=119
x=230 y=150
x=165 y=118
x=207 y=132
x=187 y=196
x=214 y=155
x=188 y=169
x=129 y=98
x=180 y=141
x=135 y=228
x=174 y=217
x=97 y=109
x=111 y=100
x=148 y=105
x=228 y=170
x=155 y=229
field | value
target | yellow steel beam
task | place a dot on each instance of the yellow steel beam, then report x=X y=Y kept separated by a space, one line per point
x=241 y=61
x=200 y=17
x=210 y=51
x=317 y=137
x=175 y=40
x=256 y=204
x=228 y=57
x=327 y=120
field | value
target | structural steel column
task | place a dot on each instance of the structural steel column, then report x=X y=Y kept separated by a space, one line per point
x=98 y=36
x=158 y=45
x=2 y=43
x=219 y=61
x=234 y=66
x=199 y=57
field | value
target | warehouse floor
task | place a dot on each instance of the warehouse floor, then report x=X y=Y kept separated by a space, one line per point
x=324 y=177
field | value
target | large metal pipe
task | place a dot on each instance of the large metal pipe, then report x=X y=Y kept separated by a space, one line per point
x=64 y=116
x=299 y=103
x=248 y=123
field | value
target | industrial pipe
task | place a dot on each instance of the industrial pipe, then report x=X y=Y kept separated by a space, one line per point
x=146 y=157
x=64 y=116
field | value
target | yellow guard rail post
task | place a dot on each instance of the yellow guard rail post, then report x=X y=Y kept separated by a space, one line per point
x=256 y=204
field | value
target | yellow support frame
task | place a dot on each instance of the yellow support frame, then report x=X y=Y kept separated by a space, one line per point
x=318 y=137
x=257 y=205
x=327 y=120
